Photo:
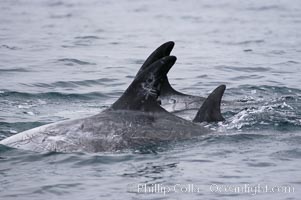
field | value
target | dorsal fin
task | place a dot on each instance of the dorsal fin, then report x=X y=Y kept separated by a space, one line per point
x=210 y=111
x=167 y=89
x=160 y=52
x=143 y=91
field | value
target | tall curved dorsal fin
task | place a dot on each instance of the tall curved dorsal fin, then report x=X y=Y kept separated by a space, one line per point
x=143 y=91
x=210 y=111
x=160 y=52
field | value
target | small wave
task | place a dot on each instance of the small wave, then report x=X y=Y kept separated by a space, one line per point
x=280 y=116
x=14 y=70
x=61 y=189
x=151 y=170
x=289 y=62
x=103 y=159
x=288 y=154
x=251 y=76
x=3 y=149
x=249 y=42
x=265 y=8
x=293 y=139
x=130 y=77
x=115 y=43
x=4 y=46
x=261 y=164
x=59 y=4
x=191 y=18
x=269 y=89
x=246 y=42
x=74 y=84
x=136 y=61
x=278 y=52
x=101 y=81
x=265 y=107
x=9 y=129
x=51 y=95
x=72 y=61
x=60 y=16
x=233 y=137
x=88 y=37
x=242 y=69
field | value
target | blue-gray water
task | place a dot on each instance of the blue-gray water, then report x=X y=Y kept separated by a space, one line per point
x=68 y=59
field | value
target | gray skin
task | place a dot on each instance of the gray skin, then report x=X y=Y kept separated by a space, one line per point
x=134 y=120
x=108 y=131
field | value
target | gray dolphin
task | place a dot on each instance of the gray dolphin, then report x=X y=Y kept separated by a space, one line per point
x=134 y=120
x=171 y=99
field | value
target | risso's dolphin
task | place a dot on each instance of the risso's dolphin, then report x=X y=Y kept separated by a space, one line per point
x=171 y=99
x=135 y=120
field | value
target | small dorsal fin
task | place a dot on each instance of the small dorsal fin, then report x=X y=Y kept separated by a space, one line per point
x=143 y=92
x=160 y=52
x=210 y=111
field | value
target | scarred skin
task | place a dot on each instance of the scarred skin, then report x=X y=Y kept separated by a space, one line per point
x=135 y=120
x=106 y=132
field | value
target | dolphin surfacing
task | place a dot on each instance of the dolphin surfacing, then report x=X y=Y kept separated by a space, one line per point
x=171 y=99
x=136 y=119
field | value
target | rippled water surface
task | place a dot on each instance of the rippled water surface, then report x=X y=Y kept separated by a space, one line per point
x=68 y=59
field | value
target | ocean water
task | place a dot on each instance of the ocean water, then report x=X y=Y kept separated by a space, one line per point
x=69 y=59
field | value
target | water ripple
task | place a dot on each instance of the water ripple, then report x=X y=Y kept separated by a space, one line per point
x=261 y=164
x=242 y=69
x=4 y=46
x=14 y=70
x=88 y=37
x=72 y=61
x=74 y=84
x=51 y=95
x=291 y=153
